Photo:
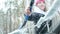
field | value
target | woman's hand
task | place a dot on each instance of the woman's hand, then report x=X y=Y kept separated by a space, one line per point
x=27 y=11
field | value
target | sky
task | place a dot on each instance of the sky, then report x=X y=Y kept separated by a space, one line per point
x=2 y=4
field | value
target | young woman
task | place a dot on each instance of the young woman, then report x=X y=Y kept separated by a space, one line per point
x=34 y=12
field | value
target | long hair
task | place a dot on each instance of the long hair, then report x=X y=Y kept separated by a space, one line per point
x=31 y=4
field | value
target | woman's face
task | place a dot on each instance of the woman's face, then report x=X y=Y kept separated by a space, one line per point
x=41 y=5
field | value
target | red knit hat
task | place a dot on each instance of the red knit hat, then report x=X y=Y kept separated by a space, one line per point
x=38 y=1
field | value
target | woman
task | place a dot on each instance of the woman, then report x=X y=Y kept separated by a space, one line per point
x=36 y=13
